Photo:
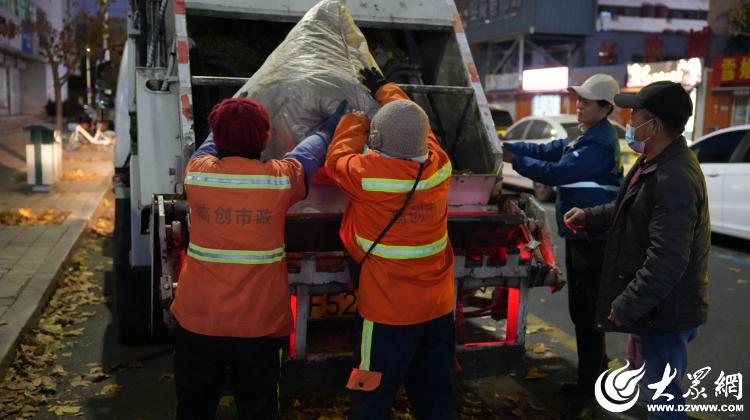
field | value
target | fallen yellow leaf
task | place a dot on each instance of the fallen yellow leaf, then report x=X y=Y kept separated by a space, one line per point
x=533 y=329
x=103 y=226
x=29 y=411
x=539 y=348
x=110 y=389
x=535 y=373
x=78 y=175
x=58 y=370
x=80 y=382
x=62 y=410
x=75 y=332
x=28 y=217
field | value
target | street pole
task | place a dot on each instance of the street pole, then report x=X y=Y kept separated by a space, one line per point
x=105 y=36
x=88 y=76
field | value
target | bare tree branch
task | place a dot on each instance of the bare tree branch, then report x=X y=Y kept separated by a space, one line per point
x=738 y=18
x=67 y=46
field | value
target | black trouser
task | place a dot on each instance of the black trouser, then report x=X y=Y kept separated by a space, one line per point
x=202 y=362
x=421 y=357
x=583 y=261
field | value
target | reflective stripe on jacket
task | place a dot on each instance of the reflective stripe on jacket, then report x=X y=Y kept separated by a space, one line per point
x=586 y=170
x=234 y=280
x=408 y=278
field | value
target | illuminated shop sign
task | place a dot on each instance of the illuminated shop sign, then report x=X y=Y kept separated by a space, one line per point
x=545 y=80
x=685 y=72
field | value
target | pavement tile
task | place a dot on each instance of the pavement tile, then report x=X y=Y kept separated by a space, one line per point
x=35 y=254
x=43 y=245
x=7 y=263
x=15 y=252
x=5 y=304
x=11 y=284
x=27 y=272
x=31 y=256
x=28 y=236
x=8 y=233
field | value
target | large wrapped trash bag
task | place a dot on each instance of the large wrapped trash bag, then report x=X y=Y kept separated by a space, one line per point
x=310 y=73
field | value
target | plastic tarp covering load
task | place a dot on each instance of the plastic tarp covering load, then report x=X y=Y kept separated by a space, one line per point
x=309 y=74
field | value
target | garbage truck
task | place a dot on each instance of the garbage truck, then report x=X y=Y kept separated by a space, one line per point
x=184 y=56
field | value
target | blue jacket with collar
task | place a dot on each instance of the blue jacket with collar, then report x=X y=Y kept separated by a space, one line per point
x=586 y=170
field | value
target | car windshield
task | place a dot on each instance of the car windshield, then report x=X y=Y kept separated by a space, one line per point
x=501 y=118
x=572 y=130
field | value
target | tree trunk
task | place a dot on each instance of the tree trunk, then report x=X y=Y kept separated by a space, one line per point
x=57 y=84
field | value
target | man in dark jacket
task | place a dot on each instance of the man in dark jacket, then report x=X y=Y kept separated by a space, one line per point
x=654 y=282
x=587 y=172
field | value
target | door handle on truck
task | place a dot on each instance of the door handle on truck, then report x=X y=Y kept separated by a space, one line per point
x=712 y=174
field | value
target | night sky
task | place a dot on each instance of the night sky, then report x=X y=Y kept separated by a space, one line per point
x=117 y=8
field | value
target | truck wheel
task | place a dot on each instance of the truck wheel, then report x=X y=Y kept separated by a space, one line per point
x=133 y=295
x=544 y=193
x=131 y=291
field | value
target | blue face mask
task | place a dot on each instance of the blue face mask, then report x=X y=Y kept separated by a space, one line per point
x=638 y=146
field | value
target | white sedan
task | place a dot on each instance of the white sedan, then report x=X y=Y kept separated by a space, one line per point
x=542 y=130
x=724 y=156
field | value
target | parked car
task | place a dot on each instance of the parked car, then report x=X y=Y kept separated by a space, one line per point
x=502 y=119
x=724 y=156
x=546 y=129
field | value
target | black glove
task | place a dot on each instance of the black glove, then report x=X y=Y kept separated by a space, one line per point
x=373 y=80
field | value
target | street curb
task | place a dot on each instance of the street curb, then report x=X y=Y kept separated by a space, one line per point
x=25 y=311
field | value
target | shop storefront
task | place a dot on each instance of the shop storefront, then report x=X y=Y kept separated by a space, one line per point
x=730 y=84
x=540 y=92
x=544 y=89
x=688 y=72
x=11 y=69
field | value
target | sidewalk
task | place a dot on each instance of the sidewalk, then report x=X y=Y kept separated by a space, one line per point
x=31 y=256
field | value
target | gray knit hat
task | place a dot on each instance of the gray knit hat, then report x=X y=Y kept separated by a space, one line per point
x=399 y=129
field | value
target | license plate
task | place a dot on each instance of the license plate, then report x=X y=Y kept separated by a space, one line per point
x=336 y=305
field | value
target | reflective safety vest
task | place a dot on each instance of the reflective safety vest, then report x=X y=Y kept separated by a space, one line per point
x=233 y=282
x=408 y=277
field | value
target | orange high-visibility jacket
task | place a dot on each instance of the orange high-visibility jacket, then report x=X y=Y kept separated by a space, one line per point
x=408 y=277
x=233 y=282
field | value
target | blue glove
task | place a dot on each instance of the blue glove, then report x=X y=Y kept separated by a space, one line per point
x=329 y=126
x=311 y=152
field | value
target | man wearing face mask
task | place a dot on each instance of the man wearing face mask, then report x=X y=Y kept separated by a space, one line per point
x=587 y=172
x=654 y=283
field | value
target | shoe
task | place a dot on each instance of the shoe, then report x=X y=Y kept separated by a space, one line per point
x=582 y=409
x=569 y=389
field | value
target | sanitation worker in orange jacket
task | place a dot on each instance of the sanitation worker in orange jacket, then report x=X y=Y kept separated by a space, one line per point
x=232 y=302
x=405 y=295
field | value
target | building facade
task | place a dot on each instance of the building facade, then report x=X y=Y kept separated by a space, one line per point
x=633 y=41
x=25 y=78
